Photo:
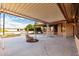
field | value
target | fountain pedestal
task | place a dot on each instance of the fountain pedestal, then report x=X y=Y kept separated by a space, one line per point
x=30 y=39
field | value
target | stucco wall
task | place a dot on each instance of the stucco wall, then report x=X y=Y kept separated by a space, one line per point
x=77 y=43
x=59 y=30
x=68 y=29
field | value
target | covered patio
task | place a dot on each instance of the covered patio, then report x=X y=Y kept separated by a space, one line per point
x=63 y=17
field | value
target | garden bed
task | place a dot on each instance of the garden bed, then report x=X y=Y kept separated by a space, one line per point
x=9 y=35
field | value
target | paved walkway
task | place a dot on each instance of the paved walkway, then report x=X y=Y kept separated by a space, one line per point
x=47 y=46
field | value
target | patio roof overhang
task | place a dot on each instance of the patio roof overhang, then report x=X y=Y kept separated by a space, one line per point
x=46 y=12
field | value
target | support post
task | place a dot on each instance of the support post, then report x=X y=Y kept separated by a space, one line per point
x=3 y=24
x=47 y=31
x=64 y=29
x=3 y=29
x=35 y=30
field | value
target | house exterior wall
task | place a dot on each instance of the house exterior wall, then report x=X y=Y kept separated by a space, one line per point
x=68 y=29
x=77 y=33
x=77 y=44
x=59 y=30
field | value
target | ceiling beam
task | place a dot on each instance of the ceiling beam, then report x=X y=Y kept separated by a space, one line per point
x=63 y=10
x=75 y=10
x=57 y=22
x=22 y=16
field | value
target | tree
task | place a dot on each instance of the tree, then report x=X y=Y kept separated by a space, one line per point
x=29 y=27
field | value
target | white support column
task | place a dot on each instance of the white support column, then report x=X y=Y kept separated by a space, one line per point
x=3 y=30
x=3 y=24
x=0 y=21
x=64 y=29
x=35 y=37
x=47 y=31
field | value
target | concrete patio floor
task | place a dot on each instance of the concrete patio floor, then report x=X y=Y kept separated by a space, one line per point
x=47 y=46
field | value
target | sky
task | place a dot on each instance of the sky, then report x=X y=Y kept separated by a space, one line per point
x=15 y=22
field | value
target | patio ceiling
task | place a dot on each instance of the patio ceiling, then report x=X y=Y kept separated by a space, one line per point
x=45 y=12
x=69 y=11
